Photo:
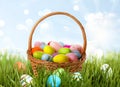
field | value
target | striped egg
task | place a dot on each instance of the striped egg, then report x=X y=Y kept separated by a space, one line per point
x=26 y=80
x=55 y=45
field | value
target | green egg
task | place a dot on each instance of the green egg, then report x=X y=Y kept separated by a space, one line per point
x=64 y=51
x=37 y=54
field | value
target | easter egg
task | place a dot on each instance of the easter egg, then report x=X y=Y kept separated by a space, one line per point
x=60 y=58
x=61 y=43
x=64 y=50
x=77 y=76
x=49 y=42
x=107 y=70
x=67 y=46
x=55 y=45
x=77 y=53
x=58 y=71
x=20 y=66
x=36 y=49
x=26 y=80
x=54 y=54
x=76 y=47
x=72 y=57
x=53 y=81
x=49 y=50
x=37 y=44
x=38 y=54
x=46 y=57
x=42 y=45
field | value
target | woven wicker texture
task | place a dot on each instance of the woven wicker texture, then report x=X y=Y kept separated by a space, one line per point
x=73 y=66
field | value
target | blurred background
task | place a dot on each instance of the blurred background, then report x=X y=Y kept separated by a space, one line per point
x=100 y=18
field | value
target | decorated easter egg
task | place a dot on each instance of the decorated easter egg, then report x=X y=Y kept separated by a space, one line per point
x=42 y=45
x=77 y=53
x=37 y=44
x=59 y=71
x=107 y=70
x=49 y=50
x=54 y=54
x=46 y=57
x=61 y=43
x=76 y=47
x=55 y=45
x=49 y=42
x=60 y=58
x=36 y=49
x=20 y=66
x=72 y=57
x=64 y=50
x=67 y=46
x=53 y=81
x=37 y=54
x=26 y=80
x=77 y=76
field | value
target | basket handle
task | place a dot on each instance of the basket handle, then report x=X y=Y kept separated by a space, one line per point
x=58 y=13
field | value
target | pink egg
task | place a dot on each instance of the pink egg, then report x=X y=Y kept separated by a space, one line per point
x=54 y=54
x=76 y=47
x=55 y=45
x=67 y=46
x=37 y=44
x=72 y=57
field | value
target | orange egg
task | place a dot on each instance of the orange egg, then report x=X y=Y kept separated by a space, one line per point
x=36 y=49
x=20 y=66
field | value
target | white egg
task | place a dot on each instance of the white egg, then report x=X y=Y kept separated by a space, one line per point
x=77 y=76
x=26 y=80
x=59 y=71
x=106 y=69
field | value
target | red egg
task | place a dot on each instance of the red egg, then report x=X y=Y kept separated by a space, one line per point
x=36 y=49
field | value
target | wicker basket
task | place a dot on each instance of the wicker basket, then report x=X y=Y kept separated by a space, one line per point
x=73 y=66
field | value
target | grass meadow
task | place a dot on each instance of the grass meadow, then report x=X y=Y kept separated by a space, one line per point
x=92 y=75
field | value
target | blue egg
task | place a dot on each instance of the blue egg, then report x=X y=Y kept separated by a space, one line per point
x=46 y=57
x=53 y=81
x=42 y=45
x=61 y=43
x=77 y=53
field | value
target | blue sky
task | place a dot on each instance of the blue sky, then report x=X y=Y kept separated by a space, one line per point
x=100 y=18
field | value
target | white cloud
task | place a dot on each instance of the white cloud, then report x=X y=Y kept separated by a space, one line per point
x=26 y=11
x=44 y=25
x=102 y=29
x=76 y=1
x=2 y=23
x=44 y=12
x=8 y=43
x=1 y=33
x=22 y=27
x=29 y=21
x=66 y=28
x=76 y=7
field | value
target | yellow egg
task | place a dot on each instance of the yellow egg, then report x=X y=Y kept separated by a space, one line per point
x=60 y=58
x=48 y=50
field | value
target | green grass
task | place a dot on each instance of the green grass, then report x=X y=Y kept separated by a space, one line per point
x=92 y=76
